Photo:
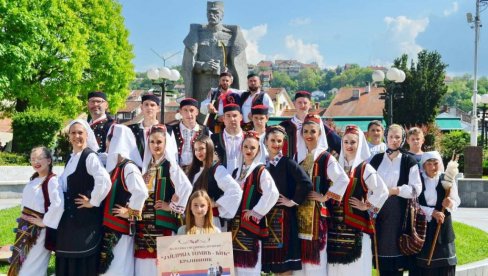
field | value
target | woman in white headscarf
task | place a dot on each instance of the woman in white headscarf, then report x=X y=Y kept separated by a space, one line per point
x=351 y=222
x=259 y=196
x=438 y=206
x=329 y=181
x=169 y=190
x=124 y=202
x=85 y=184
x=400 y=173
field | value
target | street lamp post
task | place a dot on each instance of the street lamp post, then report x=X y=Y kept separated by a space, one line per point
x=395 y=75
x=483 y=106
x=160 y=77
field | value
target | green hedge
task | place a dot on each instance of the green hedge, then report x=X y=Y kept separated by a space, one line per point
x=35 y=127
x=13 y=159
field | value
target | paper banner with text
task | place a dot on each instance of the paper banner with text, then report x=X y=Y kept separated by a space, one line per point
x=205 y=254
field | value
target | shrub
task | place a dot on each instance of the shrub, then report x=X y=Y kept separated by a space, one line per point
x=35 y=127
x=454 y=141
x=13 y=159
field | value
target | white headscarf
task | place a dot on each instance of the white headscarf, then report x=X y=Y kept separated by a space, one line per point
x=91 y=140
x=123 y=142
x=169 y=152
x=260 y=158
x=321 y=144
x=362 y=152
x=432 y=155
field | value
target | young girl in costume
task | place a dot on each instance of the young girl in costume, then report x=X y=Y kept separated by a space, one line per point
x=259 y=196
x=400 y=173
x=438 y=206
x=42 y=207
x=329 y=181
x=169 y=189
x=351 y=228
x=123 y=204
x=212 y=177
x=198 y=215
x=281 y=250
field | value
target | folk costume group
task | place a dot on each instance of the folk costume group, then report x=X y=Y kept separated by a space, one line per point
x=297 y=198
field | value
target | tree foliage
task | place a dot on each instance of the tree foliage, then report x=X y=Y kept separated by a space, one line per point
x=35 y=127
x=281 y=79
x=355 y=76
x=422 y=89
x=53 y=52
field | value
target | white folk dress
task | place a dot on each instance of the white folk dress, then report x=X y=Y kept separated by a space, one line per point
x=37 y=260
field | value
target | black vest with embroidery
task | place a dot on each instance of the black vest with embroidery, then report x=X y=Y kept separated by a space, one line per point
x=203 y=130
x=139 y=135
x=257 y=100
x=357 y=188
x=118 y=195
x=100 y=130
x=250 y=197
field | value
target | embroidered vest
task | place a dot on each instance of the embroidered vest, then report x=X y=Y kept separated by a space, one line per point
x=257 y=100
x=118 y=195
x=165 y=189
x=251 y=195
x=100 y=130
x=139 y=135
x=180 y=141
x=357 y=188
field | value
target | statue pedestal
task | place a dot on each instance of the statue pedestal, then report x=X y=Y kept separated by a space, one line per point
x=473 y=160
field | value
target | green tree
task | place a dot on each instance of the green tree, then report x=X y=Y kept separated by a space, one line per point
x=422 y=89
x=281 y=79
x=355 y=76
x=53 y=52
x=308 y=79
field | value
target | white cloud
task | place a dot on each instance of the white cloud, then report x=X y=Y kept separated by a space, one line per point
x=252 y=37
x=400 y=37
x=304 y=52
x=299 y=21
x=453 y=9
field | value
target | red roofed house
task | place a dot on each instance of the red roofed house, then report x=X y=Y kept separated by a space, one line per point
x=357 y=101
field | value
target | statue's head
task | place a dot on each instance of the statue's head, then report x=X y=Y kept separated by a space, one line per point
x=215 y=12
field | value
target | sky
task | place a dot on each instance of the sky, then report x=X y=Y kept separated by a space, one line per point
x=329 y=32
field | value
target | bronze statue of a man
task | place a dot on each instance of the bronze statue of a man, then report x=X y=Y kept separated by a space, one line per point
x=210 y=50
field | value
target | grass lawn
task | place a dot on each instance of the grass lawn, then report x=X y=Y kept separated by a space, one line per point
x=471 y=243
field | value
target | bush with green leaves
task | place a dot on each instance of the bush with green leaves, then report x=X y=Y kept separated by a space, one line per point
x=454 y=141
x=13 y=159
x=35 y=127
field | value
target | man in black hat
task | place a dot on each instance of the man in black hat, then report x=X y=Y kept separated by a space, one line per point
x=99 y=120
x=294 y=144
x=186 y=130
x=213 y=105
x=228 y=142
x=150 y=106
x=254 y=96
